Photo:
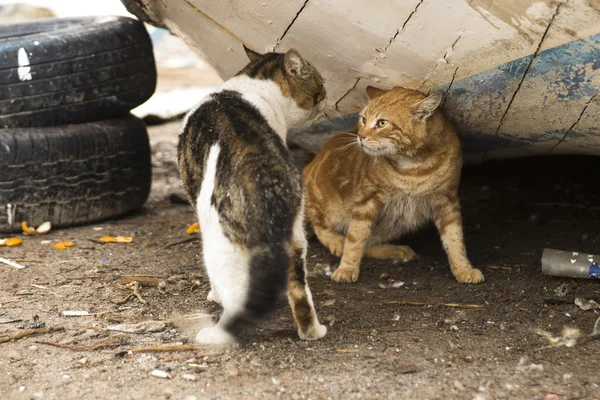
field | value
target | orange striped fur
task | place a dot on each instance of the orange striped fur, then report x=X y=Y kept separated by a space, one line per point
x=400 y=170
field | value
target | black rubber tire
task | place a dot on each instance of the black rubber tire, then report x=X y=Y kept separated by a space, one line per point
x=80 y=70
x=73 y=174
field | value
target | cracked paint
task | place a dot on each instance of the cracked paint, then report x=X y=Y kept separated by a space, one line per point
x=449 y=87
x=348 y=92
x=515 y=73
x=279 y=39
x=576 y=122
x=495 y=134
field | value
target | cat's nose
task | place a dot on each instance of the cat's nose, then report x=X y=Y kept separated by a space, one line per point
x=362 y=137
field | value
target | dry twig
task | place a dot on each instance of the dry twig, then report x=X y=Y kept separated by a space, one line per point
x=144 y=280
x=173 y=347
x=421 y=303
x=414 y=328
x=136 y=292
x=106 y=343
x=11 y=263
x=182 y=241
x=31 y=332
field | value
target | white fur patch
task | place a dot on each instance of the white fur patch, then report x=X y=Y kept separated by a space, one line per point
x=281 y=113
x=227 y=265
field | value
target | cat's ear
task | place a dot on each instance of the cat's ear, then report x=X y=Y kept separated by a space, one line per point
x=252 y=55
x=293 y=62
x=426 y=107
x=373 y=92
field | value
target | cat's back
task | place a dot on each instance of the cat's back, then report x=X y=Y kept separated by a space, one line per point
x=253 y=178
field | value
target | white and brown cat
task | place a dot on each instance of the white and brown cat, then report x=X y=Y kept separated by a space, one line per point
x=248 y=194
x=400 y=171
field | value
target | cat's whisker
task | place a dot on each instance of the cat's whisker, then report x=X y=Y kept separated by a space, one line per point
x=348 y=133
x=347 y=149
x=339 y=138
x=334 y=111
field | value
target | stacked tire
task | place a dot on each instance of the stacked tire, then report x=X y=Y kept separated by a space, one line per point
x=70 y=152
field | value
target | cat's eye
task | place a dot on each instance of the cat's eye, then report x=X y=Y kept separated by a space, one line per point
x=381 y=123
x=363 y=119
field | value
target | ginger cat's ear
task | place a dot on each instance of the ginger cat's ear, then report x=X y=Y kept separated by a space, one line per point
x=252 y=55
x=373 y=92
x=293 y=62
x=426 y=107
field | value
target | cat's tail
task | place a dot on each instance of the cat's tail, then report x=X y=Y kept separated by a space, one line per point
x=269 y=266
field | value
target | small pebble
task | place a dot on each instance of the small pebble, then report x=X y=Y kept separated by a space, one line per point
x=385 y=275
x=157 y=373
x=189 y=377
x=14 y=355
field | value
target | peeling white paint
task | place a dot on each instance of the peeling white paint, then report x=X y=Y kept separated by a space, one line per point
x=24 y=69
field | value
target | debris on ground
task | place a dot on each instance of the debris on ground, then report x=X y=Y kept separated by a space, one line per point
x=40 y=230
x=11 y=263
x=157 y=373
x=30 y=332
x=141 y=327
x=75 y=313
x=392 y=285
x=561 y=290
x=403 y=367
x=586 y=304
x=173 y=347
x=136 y=287
x=116 y=239
x=110 y=342
x=8 y=320
x=10 y=242
x=570 y=264
x=434 y=303
x=525 y=364
x=189 y=377
x=144 y=280
x=568 y=338
x=195 y=227
x=62 y=245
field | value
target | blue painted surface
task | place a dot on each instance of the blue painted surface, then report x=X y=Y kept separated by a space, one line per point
x=558 y=72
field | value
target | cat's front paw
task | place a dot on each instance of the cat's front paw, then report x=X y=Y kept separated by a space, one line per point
x=214 y=335
x=468 y=275
x=317 y=331
x=345 y=274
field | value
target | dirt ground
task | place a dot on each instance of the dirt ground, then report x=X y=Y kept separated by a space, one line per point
x=378 y=346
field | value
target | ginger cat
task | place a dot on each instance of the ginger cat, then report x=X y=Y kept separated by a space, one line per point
x=401 y=170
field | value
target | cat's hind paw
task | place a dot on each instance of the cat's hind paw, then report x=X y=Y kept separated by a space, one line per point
x=470 y=275
x=336 y=246
x=214 y=335
x=317 y=331
x=345 y=275
x=213 y=296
